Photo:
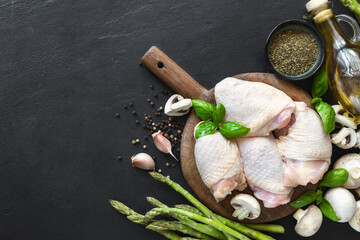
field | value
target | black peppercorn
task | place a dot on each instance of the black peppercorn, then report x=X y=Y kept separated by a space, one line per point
x=131 y=104
x=134 y=112
x=117 y=115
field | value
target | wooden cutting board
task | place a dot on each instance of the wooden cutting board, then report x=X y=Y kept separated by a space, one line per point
x=182 y=83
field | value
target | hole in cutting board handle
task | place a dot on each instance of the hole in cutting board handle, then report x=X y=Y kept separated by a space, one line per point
x=160 y=64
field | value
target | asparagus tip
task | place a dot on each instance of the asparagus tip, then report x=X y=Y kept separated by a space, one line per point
x=157 y=176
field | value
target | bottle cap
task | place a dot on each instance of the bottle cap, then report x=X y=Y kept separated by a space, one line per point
x=314 y=4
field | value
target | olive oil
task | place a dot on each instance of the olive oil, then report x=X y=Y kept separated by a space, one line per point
x=342 y=61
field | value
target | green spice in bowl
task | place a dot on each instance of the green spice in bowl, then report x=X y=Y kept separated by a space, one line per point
x=295 y=50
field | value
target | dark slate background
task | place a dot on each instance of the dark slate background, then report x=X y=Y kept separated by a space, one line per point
x=66 y=67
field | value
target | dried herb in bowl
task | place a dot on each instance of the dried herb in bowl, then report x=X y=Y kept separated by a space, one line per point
x=292 y=51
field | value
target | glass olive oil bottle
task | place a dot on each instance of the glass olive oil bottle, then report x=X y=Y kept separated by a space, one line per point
x=342 y=57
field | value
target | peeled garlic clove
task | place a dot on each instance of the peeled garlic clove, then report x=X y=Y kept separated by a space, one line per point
x=162 y=143
x=143 y=161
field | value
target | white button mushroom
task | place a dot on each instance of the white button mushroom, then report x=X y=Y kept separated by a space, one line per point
x=343 y=203
x=177 y=105
x=345 y=138
x=246 y=206
x=355 y=220
x=308 y=221
x=351 y=162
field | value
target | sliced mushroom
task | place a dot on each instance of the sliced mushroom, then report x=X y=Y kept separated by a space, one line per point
x=355 y=220
x=345 y=138
x=246 y=206
x=351 y=162
x=177 y=105
x=308 y=221
x=343 y=118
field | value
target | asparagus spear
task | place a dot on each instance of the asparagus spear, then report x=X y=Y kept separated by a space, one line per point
x=353 y=6
x=189 y=208
x=122 y=208
x=240 y=227
x=168 y=234
x=155 y=203
x=203 y=228
x=189 y=197
x=218 y=225
x=185 y=220
x=177 y=226
x=274 y=228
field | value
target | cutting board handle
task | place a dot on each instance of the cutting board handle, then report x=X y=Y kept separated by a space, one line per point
x=173 y=75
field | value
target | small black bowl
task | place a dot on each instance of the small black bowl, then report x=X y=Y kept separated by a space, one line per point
x=308 y=28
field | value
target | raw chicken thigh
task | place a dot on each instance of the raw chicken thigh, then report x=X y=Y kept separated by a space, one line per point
x=304 y=146
x=219 y=163
x=258 y=106
x=263 y=169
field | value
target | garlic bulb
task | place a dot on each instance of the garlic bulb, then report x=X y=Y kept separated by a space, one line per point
x=143 y=161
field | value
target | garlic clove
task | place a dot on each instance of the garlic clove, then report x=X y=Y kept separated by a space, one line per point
x=162 y=143
x=143 y=161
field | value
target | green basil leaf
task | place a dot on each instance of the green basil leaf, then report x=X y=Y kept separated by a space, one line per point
x=320 y=83
x=203 y=109
x=304 y=200
x=335 y=178
x=233 y=130
x=205 y=128
x=327 y=115
x=316 y=100
x=219 y=114
x=328 y=210
x=319 y=196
